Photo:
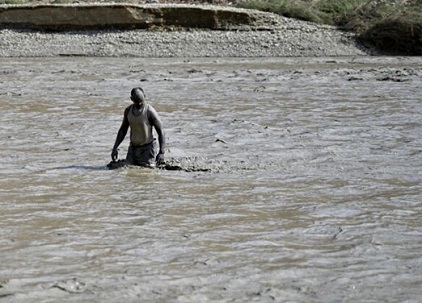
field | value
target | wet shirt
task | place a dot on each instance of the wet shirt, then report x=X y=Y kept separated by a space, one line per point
x=140 y=128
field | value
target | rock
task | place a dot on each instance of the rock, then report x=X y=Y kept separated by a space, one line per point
x=129 y=16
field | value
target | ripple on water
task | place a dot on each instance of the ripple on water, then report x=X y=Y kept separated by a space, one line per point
x=299 y=181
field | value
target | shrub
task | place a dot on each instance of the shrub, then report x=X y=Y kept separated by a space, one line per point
x=392 y=26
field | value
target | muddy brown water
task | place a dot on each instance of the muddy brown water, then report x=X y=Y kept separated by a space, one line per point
x=302 y=181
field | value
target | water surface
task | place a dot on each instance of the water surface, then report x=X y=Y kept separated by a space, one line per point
x=312 y=188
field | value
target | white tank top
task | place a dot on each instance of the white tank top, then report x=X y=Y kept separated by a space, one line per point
x=140 y=128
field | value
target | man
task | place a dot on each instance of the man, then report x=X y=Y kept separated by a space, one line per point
x=142 y=118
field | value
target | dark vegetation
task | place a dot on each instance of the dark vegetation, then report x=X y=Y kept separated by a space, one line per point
x=392 y=26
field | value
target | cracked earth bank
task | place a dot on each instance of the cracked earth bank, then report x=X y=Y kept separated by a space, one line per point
x=269 y=36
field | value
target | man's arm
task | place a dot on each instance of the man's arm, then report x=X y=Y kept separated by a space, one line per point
x=155 y=121
x=121 y=134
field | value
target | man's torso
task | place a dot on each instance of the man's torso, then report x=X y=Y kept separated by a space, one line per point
x=140 y=127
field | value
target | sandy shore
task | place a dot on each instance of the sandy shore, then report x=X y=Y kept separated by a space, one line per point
x=286 y=38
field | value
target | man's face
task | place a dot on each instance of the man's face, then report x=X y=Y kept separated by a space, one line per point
x=137 y=97
x=134 y=100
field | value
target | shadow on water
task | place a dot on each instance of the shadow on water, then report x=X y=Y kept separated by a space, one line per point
x=82 y=167
x=116 y=165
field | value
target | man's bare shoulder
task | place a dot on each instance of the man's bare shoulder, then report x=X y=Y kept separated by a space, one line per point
x=127 y=109
x=153 y=115
x=151 y=110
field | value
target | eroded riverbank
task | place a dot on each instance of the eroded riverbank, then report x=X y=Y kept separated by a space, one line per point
x=269 y=35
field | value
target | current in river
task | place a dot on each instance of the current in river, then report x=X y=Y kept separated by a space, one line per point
x=300 y=181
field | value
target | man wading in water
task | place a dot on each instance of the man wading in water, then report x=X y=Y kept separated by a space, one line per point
x=142 y=118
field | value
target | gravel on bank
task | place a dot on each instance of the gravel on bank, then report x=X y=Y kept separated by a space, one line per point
x=289 y=38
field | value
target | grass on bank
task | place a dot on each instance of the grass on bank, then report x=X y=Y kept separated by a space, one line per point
x=392 y=26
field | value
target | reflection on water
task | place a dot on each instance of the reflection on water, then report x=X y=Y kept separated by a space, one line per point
x=312 y=194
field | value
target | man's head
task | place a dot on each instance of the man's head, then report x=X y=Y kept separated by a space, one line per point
x=137 y=95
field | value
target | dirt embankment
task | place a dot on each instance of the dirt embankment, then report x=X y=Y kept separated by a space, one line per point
x=165 y=30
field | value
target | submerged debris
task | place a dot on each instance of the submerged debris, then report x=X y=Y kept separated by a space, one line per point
x=71 y=286
x=173 y=165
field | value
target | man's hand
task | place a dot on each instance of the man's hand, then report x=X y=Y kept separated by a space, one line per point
x=114 y=154
x=160 y=159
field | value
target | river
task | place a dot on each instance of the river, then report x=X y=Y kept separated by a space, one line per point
x=301 y=181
